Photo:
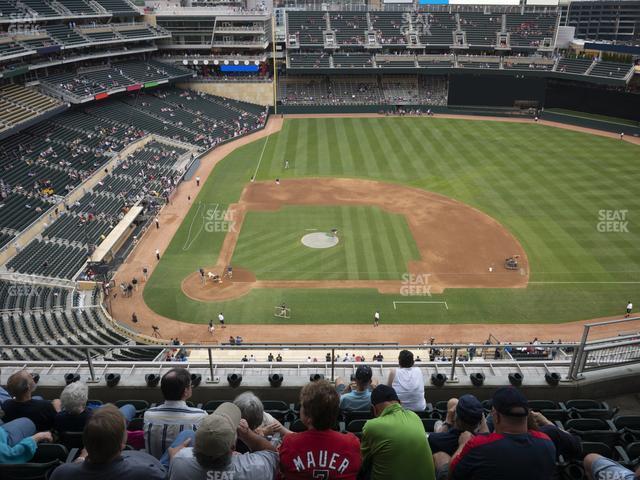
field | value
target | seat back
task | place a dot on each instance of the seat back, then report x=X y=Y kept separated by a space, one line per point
x=27 y=471
x=71 y=439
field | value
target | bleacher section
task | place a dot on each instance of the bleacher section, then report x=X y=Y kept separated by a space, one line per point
x=63 y=327
x=77 y=7
x=363 y=90
x=118 y=7
x=18 y=104
x=309 y=60
x=15 y=296
x=434 y=28
x=307 y=26
x=49 y=259
x=574 y=65
x=83 y=84
x=388 y=27
x=349 y=27
x=527 y=30
x=481 y=28
x=352 y=60
x=610 y=69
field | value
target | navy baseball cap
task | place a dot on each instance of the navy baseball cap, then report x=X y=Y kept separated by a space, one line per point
x=364 y=373
x=469 y=409
x=383 y=393
x=511 y=402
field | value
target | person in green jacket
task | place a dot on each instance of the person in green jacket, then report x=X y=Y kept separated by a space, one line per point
x=394 y=444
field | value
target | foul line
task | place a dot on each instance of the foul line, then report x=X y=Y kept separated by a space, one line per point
x=255 y=174
x=188 y=242
x=395 y=308
x=595 y=283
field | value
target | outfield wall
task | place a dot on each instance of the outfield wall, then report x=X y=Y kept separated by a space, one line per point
x=260 y=93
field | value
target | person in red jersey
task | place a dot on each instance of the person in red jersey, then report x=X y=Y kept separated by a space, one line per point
x=319 y=452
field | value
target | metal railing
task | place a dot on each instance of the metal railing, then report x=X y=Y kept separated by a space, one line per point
x=452 y=357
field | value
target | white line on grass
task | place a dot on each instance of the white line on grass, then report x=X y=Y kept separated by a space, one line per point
x=395 y=308
x=255 y=174
x=595 y=283
x=188 y=242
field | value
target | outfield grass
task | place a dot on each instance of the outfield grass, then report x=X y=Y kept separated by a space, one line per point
x=373 y=245
x=547 y=186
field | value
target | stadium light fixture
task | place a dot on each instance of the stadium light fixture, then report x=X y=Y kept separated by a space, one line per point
x=71 y=377
x=275 y=379
x=477 y=379
x=152 y=379
x=234 y=379
x=196 y=378
x=113 y=379
x=438 y=379
x=515 y=379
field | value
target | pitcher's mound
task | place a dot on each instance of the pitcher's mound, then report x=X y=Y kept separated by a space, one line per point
x=319 y=240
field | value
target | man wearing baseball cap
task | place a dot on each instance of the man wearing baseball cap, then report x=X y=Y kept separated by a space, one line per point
x=511 y=451
x=464 y=414
x=213 y=455
x=357 y=396
x=394 y=445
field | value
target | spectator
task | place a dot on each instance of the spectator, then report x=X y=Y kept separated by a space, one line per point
x=163 y=423
x=41 y=412
x=212 y=455
x=75 y=411
x=356 y=396
x=511 y=451
x=18 y=441
x=408 y=383
x=303 y=454
x=463 y=415
x=598 y=467
x=253 y=413
x=104 y=439
x=394 y=445
x=566 y=444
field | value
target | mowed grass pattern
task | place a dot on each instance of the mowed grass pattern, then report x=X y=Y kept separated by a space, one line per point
x=373 y=244
x=546 y=185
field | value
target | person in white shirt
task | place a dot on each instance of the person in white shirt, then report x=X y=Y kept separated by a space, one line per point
x=629 y=309
x=163 y=423
x=408 y=382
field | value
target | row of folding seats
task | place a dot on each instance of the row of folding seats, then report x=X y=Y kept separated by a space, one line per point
x=49 y=259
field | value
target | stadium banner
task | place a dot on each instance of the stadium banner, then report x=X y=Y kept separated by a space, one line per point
x=484 y=2
x=101 y=96
x=543 y=2
x=239 y=68
x=151 y=84
x=133 y=88
x=48 y=50
x=607 y=47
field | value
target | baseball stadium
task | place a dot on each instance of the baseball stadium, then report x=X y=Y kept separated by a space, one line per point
x=279 y=208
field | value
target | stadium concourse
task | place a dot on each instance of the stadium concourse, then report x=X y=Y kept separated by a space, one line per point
x=171 y=215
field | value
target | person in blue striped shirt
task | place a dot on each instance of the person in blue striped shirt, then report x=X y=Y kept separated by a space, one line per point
x=163 y=423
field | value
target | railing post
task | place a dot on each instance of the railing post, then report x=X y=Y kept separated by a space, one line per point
x=91 y=370
x=210 y=365
x=333 y=364
x=577 y=355
x=453 y=364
